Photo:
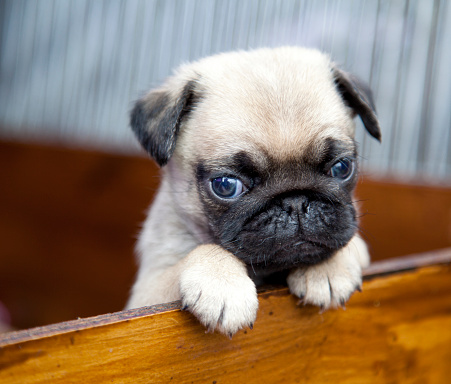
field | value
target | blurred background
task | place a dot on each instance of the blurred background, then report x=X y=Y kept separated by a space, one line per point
x=73 y=182
x=70 y=69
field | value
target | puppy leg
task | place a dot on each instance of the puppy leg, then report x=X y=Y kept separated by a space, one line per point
x=331 y=283
x=211 y=282
x=215 y=287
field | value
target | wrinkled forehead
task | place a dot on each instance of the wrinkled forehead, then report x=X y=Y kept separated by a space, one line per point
x=292 y=128
x=279 y=107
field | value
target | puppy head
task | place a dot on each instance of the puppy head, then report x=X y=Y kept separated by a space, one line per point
x=260 y=148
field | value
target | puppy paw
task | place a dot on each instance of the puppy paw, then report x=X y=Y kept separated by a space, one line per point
x=215 y=287
x=331 y=283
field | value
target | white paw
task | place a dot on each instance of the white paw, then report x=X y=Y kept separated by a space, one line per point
x=331 y=283
x=215 y=287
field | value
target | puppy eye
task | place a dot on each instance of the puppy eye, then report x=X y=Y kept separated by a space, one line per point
x=227 y=187
x=342 y=169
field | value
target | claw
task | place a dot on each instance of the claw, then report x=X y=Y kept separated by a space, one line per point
x=301 y=300
x=185 y=307
x=251 y=326
x=221 y=315
x=343 y=304
x=198 y=297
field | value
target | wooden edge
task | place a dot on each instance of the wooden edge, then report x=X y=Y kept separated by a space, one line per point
x=407 y=263
x=89 y=322
x=379 y=268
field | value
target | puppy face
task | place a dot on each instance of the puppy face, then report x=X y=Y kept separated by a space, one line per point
x=260 y=152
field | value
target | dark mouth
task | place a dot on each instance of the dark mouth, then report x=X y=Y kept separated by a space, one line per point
x=285 y=256
x=307 y=247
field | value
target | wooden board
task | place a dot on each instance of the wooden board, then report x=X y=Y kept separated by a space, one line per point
x=68 y=224
x=401 y=218
x=397 y=331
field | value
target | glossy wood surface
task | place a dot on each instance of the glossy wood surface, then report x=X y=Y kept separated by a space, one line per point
x=398 y=330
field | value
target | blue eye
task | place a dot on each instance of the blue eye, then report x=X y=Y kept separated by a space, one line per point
x=227 y=187
x=342 y=169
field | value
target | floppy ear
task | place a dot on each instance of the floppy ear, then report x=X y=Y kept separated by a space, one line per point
x=359 y=97
x=156 y=118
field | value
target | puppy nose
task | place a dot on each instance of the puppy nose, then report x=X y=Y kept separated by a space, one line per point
x=299 y=204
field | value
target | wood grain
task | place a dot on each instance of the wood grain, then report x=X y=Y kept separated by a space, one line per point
x=397 y=331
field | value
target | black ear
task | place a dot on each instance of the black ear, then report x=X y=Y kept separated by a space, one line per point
x=156 y=119
x=359 y=97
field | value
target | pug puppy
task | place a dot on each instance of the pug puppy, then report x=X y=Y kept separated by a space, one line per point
x=259 y=165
